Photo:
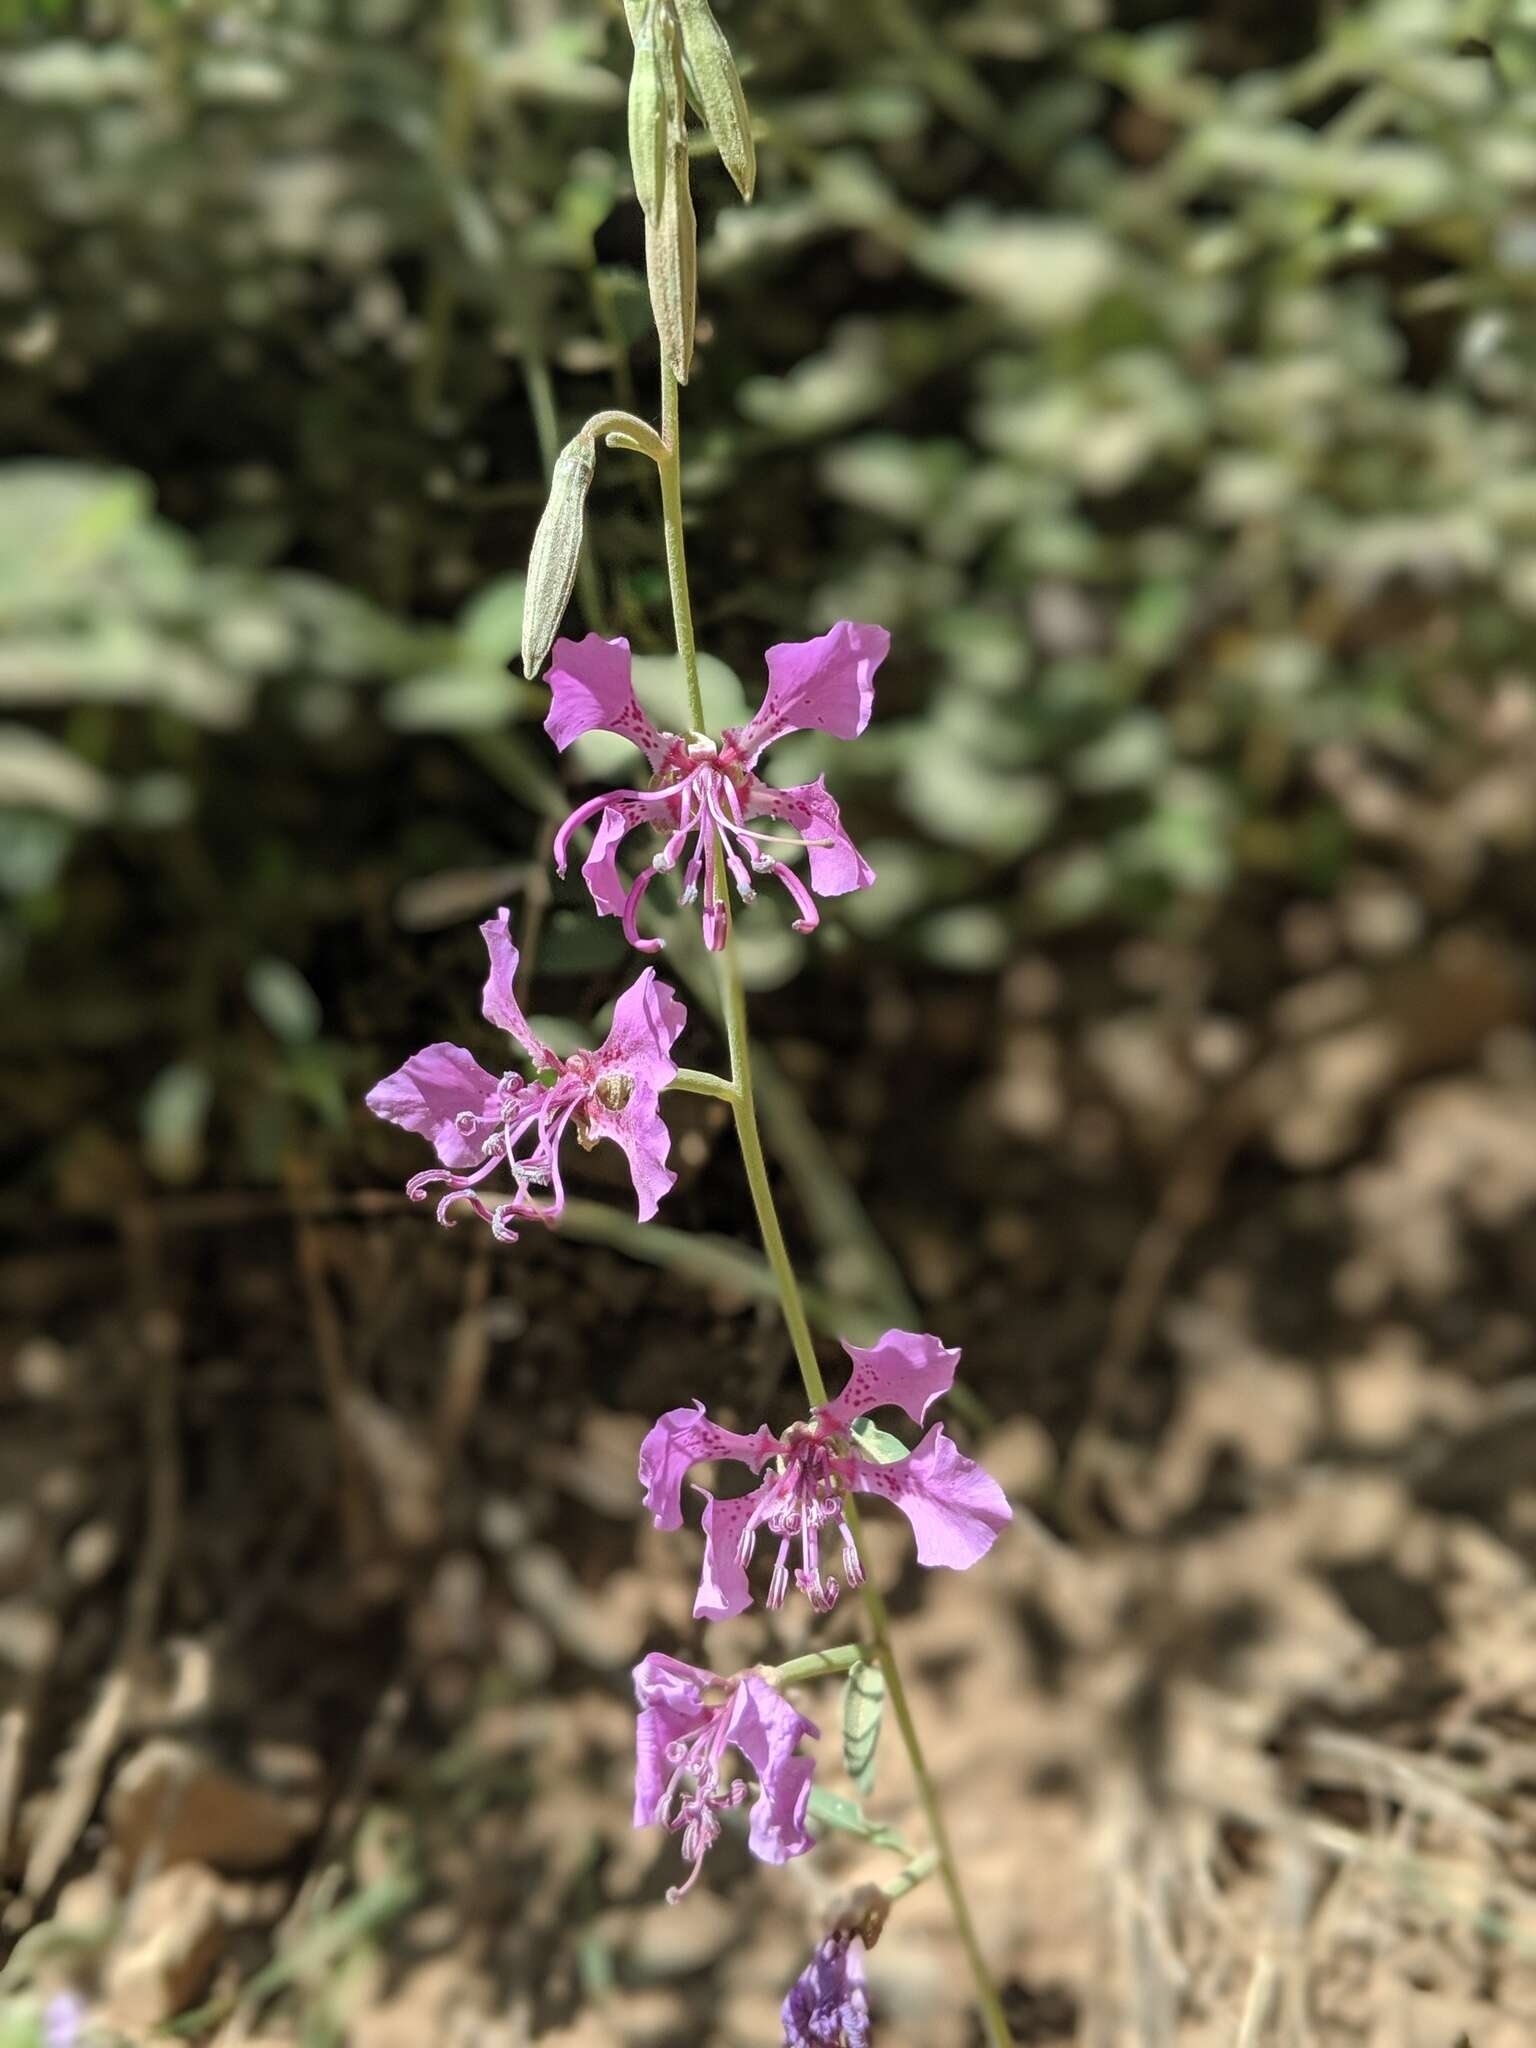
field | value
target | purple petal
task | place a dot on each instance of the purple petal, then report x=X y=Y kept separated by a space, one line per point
x=827 y=684
x=436 y=1085
x=647 y=1019
x=600 y=870
x=640 y=1130
x=680 y=1439
x=903 y=1369
x=591 y=691
x=767 y=1730
x=956 y=1510
x=723 y=1589
x=498 y=1003
x=836 y=869
x=827 y=2005
x=671 y=1707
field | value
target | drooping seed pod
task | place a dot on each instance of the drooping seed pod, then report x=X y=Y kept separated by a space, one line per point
x=715 y=84
x=556 y=550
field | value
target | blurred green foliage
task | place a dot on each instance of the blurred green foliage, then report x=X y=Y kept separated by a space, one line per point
x=1161 y=376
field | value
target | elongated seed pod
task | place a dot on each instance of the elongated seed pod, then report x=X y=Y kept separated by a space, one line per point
x=647 y=105
x=556 y=550
x=671 y=233
x=716 y=87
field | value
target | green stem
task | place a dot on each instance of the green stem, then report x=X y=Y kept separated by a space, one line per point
x=694 y=1081
x=733 y=1006
x=677 y=561
x=744 y=1108
x=908 y=1880
x=817 y=1664
x=745 y=1111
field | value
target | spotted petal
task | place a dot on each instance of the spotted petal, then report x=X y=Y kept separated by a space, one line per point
x=647 y=1019
x=499 y=1002
x=826 y=684
x=955 y=1508
x=680 y=1439
x=837 y=866
x=723 y=1589
x=591 y=691
x=904 y=1369
x=640 y=1131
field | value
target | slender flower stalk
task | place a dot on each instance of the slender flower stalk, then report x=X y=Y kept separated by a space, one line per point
x=671 y=467
x=744 y=1111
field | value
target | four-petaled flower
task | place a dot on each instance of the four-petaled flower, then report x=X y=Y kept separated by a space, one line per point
x=477 y=1124
x=704 y=793
x=688 y=1719
x=955 y=1508
x=827 y=2006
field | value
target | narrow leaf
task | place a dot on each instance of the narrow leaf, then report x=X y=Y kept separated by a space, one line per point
x=863 y=1707
x=556 y=550
x=716 y=88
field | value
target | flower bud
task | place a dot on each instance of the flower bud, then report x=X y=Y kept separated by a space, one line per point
x=556 y=550
x=647 y=106
x=716 y=88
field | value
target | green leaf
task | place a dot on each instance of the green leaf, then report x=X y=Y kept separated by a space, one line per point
x=863 y=1708
x=173 y=1118
x=37 y=773
x=878 y=1444
x=832 y=1810
x=491 y=624
x=456 y=699
x=283 y=1000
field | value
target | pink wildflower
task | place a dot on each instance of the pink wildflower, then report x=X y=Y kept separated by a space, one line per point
x=688 y=1719
x=955 y=1508
x=477 y=1124
x=827 y=2006
x=704 y=793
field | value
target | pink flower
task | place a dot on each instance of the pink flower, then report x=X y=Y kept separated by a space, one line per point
x=955 y=1508
x=827 y=2006
x=688 y=1720
x=704 y=793
x=477 y=1124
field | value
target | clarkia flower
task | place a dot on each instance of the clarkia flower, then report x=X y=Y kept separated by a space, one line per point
x=955 y=1508
x=704 y=794
x=478 y=1124
x=688 y=1720
x=827 y=2006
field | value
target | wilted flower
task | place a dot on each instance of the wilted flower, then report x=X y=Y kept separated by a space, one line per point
x=477 y=1124
x=688 y=1720
x=827 y=2006
x=704 y=793
x=955 y=1508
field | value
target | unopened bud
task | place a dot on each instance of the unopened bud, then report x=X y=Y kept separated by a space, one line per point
x=716 y=88
x=556 y=550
